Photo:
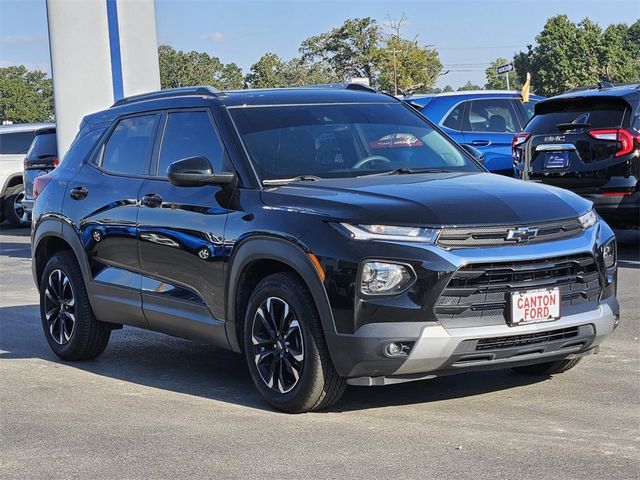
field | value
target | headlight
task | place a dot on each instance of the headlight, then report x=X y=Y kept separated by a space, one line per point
x=589 y=219
x=390 y=232
x=609 y=253
x=380 y=278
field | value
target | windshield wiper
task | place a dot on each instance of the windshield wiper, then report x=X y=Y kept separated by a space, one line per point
x=572 y=126
x=286 y=181
x=407 y=171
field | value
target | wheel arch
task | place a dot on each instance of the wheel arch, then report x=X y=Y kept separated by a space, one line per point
x=253 y=260
x=51 y=236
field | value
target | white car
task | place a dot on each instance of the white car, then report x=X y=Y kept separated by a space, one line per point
x=15 y=141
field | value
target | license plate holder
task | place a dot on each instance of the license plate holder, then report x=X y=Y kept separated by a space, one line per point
x=535 y=306
x=556 y=160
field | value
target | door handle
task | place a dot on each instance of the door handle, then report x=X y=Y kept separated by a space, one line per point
x=480 y=143
x=78 y=193
x=151 y=200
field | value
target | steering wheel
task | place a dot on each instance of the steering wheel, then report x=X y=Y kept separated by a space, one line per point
x=372 y=158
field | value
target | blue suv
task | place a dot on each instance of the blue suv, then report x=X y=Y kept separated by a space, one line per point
x=485 y=119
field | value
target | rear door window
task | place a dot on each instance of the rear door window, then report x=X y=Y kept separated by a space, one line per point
x=595 y=114
x=15 y=143
x=491 y=115
x=128 y=149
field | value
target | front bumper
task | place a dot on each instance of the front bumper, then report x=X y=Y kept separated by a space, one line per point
x=442 y=347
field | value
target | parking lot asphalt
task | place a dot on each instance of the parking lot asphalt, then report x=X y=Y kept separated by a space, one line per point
x=153 y=406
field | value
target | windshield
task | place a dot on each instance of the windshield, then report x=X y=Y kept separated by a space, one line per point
x=345 y=140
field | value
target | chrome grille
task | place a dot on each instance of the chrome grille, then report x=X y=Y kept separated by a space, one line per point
x=468 y=237
x=484 y=290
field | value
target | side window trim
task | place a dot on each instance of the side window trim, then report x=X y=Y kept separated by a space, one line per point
x=100 y=151
x=162 y=130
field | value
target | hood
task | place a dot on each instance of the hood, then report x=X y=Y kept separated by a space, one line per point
x=428 y=199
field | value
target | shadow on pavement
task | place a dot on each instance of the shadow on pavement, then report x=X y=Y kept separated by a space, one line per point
x=15 y=250
x=177 y=365
x=6 y=230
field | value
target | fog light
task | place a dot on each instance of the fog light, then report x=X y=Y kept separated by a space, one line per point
x=398 y=349
x=379 y=278
x=616 y=321
x=609 y=253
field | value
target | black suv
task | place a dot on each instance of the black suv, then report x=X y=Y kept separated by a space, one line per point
x=332 y=235
x=588 y=141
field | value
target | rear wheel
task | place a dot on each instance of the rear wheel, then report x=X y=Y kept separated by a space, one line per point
x=12 y=207
x=71 y=329
x=285 y=347
x=549 y=368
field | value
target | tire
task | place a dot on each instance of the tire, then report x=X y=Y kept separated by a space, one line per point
x=62 y=284
x=12 y=208
x=300 y=346
x=549 y=368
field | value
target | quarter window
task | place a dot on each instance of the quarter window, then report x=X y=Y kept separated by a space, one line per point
x=454 y=119
x=128 y=148
x=492 y=115
x=15 y=143
x=189 y=134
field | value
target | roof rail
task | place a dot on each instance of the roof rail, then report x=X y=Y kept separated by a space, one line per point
x=169 y=93
x=346 y=86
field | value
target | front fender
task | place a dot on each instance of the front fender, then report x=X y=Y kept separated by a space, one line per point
x=263 y=247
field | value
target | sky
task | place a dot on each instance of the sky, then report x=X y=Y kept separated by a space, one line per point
x=468 y=34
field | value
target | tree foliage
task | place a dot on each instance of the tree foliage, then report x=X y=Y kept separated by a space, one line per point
x=405 y=66
x=569 y=55
x=25 y=96
x=351 y=50
x=270 y=71
x=497 y=81
x=469 y=86
x=183 y=69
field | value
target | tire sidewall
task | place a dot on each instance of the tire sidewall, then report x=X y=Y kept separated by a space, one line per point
x=299 y=397
x=61 y=262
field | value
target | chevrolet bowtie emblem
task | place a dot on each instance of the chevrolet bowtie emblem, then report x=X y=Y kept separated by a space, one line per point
x=522 y=234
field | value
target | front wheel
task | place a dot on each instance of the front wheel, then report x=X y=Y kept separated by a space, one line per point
x=285 y=347
x=548 y=368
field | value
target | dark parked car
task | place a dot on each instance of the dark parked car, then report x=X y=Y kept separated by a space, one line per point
x=484 y=119
x=41 y=158
x=331 y=235
x=588 y=141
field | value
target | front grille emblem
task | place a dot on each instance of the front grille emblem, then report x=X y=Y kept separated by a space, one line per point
x=522 y=234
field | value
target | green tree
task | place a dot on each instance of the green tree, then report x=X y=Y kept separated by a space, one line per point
x=25 y=95
x=469 y=86
x=350 y=50
x=183 y=69
x=266 y=72
x=272 y=72
x=405 y=66
x=569 y=55
x=497 y=81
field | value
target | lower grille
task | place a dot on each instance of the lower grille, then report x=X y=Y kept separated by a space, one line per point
x=480 y=291
x=497 y=343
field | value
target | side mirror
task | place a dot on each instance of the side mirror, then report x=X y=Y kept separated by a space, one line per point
x=474 y=152
x=196 y=172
